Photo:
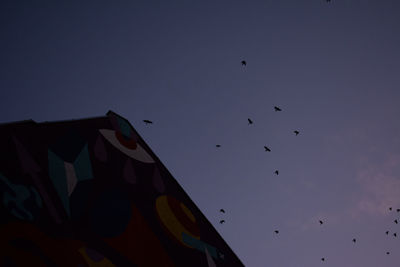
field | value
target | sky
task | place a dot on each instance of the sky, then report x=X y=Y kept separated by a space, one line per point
x=332 y=67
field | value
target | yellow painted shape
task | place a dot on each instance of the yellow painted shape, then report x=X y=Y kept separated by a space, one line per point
x=170 y=221
x=188 y=212
x=103 y=263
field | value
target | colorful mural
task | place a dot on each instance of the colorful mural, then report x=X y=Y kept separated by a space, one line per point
x=90 y=192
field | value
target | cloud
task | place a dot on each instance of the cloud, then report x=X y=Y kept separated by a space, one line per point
x=379 y=187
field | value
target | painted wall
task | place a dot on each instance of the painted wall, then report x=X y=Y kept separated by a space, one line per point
x=90 y=192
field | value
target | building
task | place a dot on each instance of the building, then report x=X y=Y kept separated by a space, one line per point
x=90 y=192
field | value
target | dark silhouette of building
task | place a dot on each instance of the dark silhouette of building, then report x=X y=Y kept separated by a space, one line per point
x=90 y=192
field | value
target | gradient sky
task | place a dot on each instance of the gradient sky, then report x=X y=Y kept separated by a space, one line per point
x=333 y=68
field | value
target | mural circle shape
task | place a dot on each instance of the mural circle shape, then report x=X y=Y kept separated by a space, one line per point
x=176 y=218
x=125 y=141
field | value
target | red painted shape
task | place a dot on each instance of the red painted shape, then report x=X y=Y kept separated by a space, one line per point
x=139 y=243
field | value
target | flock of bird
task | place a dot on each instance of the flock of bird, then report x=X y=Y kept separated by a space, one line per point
x=267 y=149
x=396 y=221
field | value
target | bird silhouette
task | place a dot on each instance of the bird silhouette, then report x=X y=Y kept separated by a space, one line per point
x=222 y=210
x=277 y=108
x=387 y=232
x=321 y=222
x=244 y=62
x=147 y=122
x=267 y=149
x=396 y=222
x=354 y=240
x=398 y=210
x=387 y=253
x=218 y=145
x=390 y=208
x=276 y=172
x=276 y=232
x=250 y=121
x=221 y=221
x=296 y=132
x=322 y=259
x=395 y=234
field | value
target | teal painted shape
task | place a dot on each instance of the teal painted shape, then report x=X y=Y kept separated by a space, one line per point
x=82 y=165
x=199 y=245
x=124 y=127
x=59 y=178
x=23 y=202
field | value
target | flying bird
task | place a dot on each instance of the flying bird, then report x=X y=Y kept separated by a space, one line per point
x=387 y=253
x=277 y=108
x=276 y=172
x=147 y=122
x=267 y=149
x=354 y=240
x=222 y=210
x=296 y=132
x=321 y=222
x=398 y=210
x=396 y=222
x=387 y=232
x=322 y=259
x=221 y=221
x=244 y=62
x=250 y=121
x=395 y=235
x=390 y=208
x=218 y=145
x=276 y=232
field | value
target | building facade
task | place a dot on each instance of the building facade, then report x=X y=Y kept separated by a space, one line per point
x=90 y=192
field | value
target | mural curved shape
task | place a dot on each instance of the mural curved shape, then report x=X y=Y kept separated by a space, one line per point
x=128 y=146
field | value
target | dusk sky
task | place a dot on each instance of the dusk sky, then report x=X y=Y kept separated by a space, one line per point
x=332 y=67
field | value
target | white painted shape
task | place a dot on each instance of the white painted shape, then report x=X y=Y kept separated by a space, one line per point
x=210 y=261
x=138 y=154
x=72 y=180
